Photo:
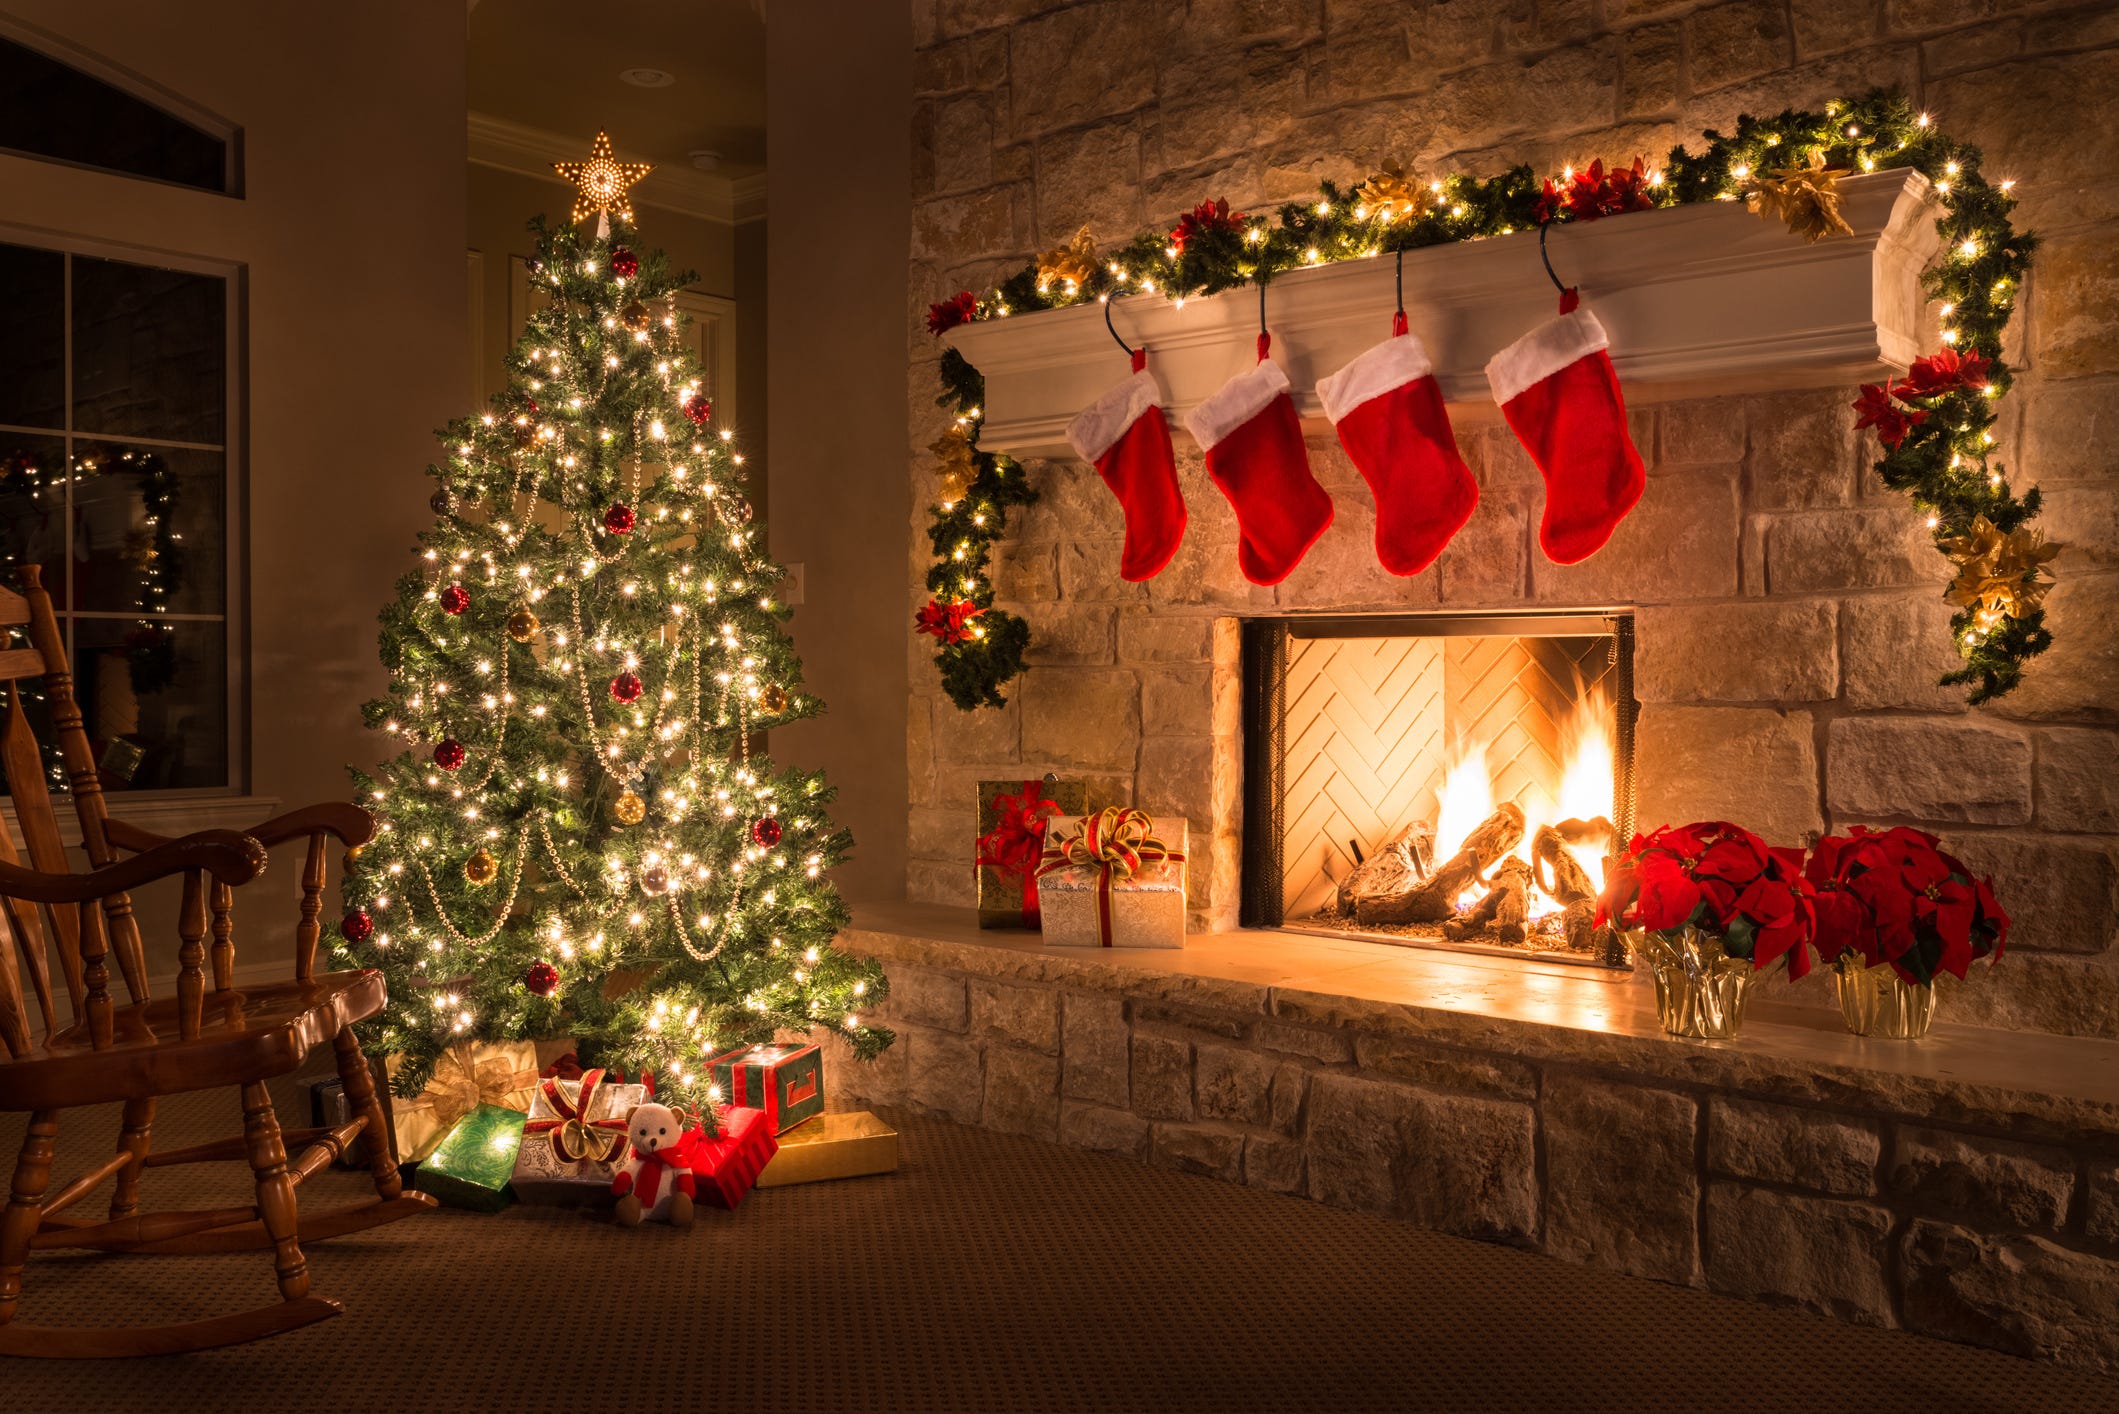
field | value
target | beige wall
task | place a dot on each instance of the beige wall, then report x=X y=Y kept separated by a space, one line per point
x=349 y=238
x=838 y=114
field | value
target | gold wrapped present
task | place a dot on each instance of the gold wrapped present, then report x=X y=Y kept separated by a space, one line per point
x=1115 y=879
x=469 y=1074
x=1012 y=820
x=842 y=1145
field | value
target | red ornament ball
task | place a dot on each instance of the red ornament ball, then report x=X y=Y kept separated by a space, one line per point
x=624 y=264
x=357 y=926
x=529 y=405
x=765 y=832
x=542 y=978
x=455 y=599
x=619 y=519
x=449 y=754
x=698 y=409
x=626 y=687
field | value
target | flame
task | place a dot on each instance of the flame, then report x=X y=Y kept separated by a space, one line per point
x=1467 y=799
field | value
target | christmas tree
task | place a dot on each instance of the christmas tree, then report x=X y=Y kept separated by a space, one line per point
x=581 y=836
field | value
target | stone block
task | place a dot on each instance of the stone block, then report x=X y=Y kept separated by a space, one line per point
x=963 y=142
x=1112 y=1131
x=1094 y=1049
x=1997 y=1181
x=1187 y=777
x=1071 y=634
x=976 y=62
x=991 y=735
x=2077 y=294
x=2101 y=1221
x=940 y=881
x=1804 y=450
x=939 y=834
x=1025 y=572
x=1022 y=1093
x=1928 y=769
x=1485 y=562
x=1233 y=1084
x=1445 y=1068
x=880 y=1081
x=1737 y=41
x=2085 y=522
x=1815 y=1149
x=2036 y=991
x=1653 y=72
x=1621 y=1191
x=1291 y=1085
x=1702 y=763
x=1679 y=543
x=1818 y=1254
x=1451 y=1162
x=2024 y=110
x=944 y=1074
x=1088 y=573
x=1083 y=63
x=1327 y=1046
x=1775 y=651
x=1081 y=717
x=1703 y=431
x=1181 y=701
x=1162 y=1078
x=1088 y=176
x=2078 y=779
x=1881 y=547
x=1895 y=650
x=1188 y=1148
x=2078 y=677
x=955 y=17
x=953 y=229
x=2022 y=1295
x=1164 y=638
x=926 y=997
x=1824 y=26
x=1204 y=1023
x=2066 y=428
x=1021 y=1016
x=2062 y=894
x=1273 y=1162
x=1342 y=570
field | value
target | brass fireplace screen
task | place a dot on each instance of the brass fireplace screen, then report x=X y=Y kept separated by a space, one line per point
x=1438 y=780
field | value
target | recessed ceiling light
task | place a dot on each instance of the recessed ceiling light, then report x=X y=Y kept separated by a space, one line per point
x=647 y=78
x=706 y=159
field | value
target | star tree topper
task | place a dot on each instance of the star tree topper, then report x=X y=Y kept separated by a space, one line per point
x=600 y=183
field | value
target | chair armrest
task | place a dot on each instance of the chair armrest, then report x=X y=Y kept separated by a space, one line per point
x=228 y=856
x=348 y=824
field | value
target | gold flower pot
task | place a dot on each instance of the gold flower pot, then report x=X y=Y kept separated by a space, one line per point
x=1700 y=991
x=1878 y=1002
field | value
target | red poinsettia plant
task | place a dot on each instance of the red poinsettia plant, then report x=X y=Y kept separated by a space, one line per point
x=1594 y=192
x=1206 y=219
x=960 y=308
x=1721 y=879
x=1897 y=896
x=950 y=622
x=1891 y=408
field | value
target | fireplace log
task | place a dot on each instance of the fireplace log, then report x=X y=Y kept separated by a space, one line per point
x=1436 y=898
x=1398 y=868
x=1505 y=909
x=1561 y=876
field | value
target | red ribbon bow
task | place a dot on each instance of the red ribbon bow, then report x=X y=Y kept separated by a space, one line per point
x=572 y=1134
x=1017 y=841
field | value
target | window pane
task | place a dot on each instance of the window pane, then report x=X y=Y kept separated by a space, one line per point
x=150 y=352
x=39 y=717
x=155 y=701
x=32 y=337
x=48 y=109
x=147 y=529
x=33 y=509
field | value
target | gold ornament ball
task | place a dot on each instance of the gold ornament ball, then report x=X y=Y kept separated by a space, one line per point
x=774 y=699
x=481 y=868
x=522 y=625
x=630 y=809
x=655 y=879
x=635 y=317
x=353 y=852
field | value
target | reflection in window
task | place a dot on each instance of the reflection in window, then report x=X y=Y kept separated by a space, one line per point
x=50 y=109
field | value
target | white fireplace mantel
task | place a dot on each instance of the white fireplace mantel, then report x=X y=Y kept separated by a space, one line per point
x=1697 y=299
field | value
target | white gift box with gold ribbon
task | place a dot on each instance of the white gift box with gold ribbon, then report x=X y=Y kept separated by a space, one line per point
x=1115 y=879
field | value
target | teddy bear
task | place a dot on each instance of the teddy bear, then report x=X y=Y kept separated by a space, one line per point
x=657 y=1181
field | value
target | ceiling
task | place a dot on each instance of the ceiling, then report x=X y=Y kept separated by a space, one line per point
x=554 y=64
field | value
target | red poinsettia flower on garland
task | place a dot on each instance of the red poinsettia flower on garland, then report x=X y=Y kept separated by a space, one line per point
x=1946 y=371
x=960 y=308
x=1723 y=880
x=950 y=622
x=1896 y=896
x=1594 y=192
x=1205 y=219
x=1891 y=421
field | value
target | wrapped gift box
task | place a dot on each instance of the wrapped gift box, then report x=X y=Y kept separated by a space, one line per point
x=787 y=1082
x=467 y=1075
x=471 y=1166
x=329 y=1107
x=1089 y=897
x=843 y=1145
x=570 y=1152
x=1012 y=822
x=725 y=1166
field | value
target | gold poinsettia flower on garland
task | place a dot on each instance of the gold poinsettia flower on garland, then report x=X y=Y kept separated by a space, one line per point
x=1070 y=265
x=1392 y=194
x=1805 y=198
x=1999 y=574
x=953 y=448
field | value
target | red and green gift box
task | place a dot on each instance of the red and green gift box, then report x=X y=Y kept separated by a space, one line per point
x=726 y=1164
x=787 y=1082
x=1012 y=818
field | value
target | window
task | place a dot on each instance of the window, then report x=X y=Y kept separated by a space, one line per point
x=114 y=478
x=61 y=112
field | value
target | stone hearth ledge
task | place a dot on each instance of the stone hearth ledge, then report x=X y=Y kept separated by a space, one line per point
x=2016 y=1083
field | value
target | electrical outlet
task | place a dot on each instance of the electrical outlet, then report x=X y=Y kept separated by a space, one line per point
x=791 y=587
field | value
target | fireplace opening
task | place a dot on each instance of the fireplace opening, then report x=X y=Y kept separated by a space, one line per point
x=1448 y=781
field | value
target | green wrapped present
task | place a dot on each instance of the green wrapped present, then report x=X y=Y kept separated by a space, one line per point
x=471 y=1166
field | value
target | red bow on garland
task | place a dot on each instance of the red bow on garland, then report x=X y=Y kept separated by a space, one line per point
x=1017 y=839
x=573 y=1135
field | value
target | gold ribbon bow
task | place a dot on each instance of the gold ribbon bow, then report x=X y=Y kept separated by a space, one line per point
x=471 y=1075
x=1116 y=842
x=574 y=1136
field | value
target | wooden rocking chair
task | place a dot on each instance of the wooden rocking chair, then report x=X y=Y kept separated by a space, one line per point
x=202 y=1038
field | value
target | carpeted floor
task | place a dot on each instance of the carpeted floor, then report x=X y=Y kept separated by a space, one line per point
x=989 y=1273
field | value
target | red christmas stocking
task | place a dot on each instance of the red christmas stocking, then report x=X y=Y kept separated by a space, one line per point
x=1557 y=388
x=1255 y=454
x=1124 y=434
x=1388 y=412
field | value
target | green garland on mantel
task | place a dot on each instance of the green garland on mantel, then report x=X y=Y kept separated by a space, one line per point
x=1934 y=426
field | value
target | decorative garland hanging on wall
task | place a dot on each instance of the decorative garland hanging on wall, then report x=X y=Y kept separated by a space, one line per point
x=1934 y=426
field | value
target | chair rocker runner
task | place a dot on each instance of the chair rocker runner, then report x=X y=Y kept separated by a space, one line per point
x=208 y=1036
